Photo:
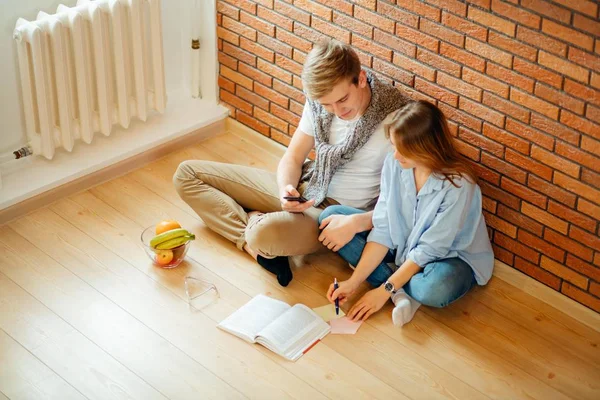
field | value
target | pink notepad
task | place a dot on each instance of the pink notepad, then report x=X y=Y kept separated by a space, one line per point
x=343 y=326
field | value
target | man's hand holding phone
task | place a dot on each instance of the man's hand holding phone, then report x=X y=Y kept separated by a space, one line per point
x=292 y=201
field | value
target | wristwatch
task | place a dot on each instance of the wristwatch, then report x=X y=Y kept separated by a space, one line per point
x=389 y=287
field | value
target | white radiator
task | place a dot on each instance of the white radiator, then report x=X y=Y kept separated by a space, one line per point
x=87 y=68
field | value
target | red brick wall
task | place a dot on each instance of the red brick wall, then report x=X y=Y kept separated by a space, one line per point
x=519 y=81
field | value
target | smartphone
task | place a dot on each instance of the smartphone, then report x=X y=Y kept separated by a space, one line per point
x=294 y=198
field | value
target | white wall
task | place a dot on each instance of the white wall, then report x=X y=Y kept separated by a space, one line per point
x=177 y=19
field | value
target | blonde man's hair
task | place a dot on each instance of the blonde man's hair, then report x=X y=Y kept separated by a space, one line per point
x=329 y=63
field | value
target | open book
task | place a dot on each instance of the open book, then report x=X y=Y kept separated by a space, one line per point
x=285 y=330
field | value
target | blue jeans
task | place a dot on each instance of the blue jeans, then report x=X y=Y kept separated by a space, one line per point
x=439 y=283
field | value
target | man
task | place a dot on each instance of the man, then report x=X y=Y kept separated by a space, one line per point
x=343 y=120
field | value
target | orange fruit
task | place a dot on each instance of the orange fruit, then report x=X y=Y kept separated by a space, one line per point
x=166 y=225
x=163 y=257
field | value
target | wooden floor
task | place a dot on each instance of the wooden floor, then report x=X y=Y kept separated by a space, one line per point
x=84 y=314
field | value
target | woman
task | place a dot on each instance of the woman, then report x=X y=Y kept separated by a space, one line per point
x=429 y=242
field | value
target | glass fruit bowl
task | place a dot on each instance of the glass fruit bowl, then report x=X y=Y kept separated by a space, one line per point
x=168 y=258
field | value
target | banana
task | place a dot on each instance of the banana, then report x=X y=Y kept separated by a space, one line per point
x=175 y=242
x=168 y=235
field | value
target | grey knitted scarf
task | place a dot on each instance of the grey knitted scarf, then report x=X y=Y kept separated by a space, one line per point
x=384 y=99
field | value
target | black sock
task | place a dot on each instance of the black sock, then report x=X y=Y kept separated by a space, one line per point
x=280 y=266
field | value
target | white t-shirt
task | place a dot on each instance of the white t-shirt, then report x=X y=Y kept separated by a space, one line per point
x=356 y=183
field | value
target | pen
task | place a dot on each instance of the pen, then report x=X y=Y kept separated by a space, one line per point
x=337 y=300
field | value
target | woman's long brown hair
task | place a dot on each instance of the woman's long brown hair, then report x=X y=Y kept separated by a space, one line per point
x=421 y=133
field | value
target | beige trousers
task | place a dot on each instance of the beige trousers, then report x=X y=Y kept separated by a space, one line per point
x=221 y=194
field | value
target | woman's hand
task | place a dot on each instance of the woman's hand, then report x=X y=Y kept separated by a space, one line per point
x=338 y=230
x=344 y=290
x=293 y=206
x=370 y=303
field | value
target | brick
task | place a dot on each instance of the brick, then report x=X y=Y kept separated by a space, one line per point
x=480 y=141
x=588 y=208
x=534 y=103
x=219 y=23
x=438 y=62
x=395 y=43
x=530 y=134
x=314 y=8
x=510 y=77
x=590 y=145
x=226 y=84
x=462 y=56
x=569 y=245
x=500 y=225
x=280 y=137
x=517 y=248
x=228 y=36
x=489 y=205
x=285 y=115
x=414 y=66
x=555 y=162
x=304 y=32
x=252 y=98
x=588 y=60
x=393 y=72
x=593 y=113
x=581 y=296
x=500 y=195
x=523 y=192
x=456 y=6
x=523 y=17
x=285 y=42
x=541 y=245
x=271 y=95
x=240 y=54
x=577 y=187
x=564 y=272
x=537 y=273
x=551 y=191
x=503 y=255
x=564 y=67
x=467 y=150
x=329 y=29
x=583 y=6
x=595 y=80
x=464 y=26
x=441 y=32
x=572 y=216
x=567 y=34
x=554 y=128
x=296 y=108
x=244 y=5
x=512 y=46
x=589 y=239
x=459 y=86
x=255 y=74
x=578 y=156
x=297 y=82
x=481 y=111
x=292 y=13
x=270 y=119
x=595 y=289
x=239 y=28
x=354 y=25
x=415 y=95
x=542 y=41
x=580 y=124
x=548 y=9
x=436 y=92
x=481 y=3
x=260 y=25
x=253 y=123
x=228 y=10
x=461 y=117
x=587 y=24
x=506 y=107
x=236 y=77
x=559 y=98
x=537 y=72
x=227 y=61
x=374 y=19
x=414 y=36
x=590 y=177
x=235 y=101
x=545 y=218
x=505 y=138
x=275 y=71
x=368 y=45
x=420 y=8
x=583 y=267
x=397 y=14
x=528 y=164
x=485 y=82
x=231 y=110
x=486 y=173
x=586 y=93
x=344 y=6
x=366 y=3
x=489 y=52
x=366 y=60
x=486 y=19
x=520 y=220
x=288 y=65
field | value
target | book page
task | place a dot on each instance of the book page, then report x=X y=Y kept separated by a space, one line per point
x=253 y=316
x=292 y=325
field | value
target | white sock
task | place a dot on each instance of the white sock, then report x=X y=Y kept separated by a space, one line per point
x=405 y=308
